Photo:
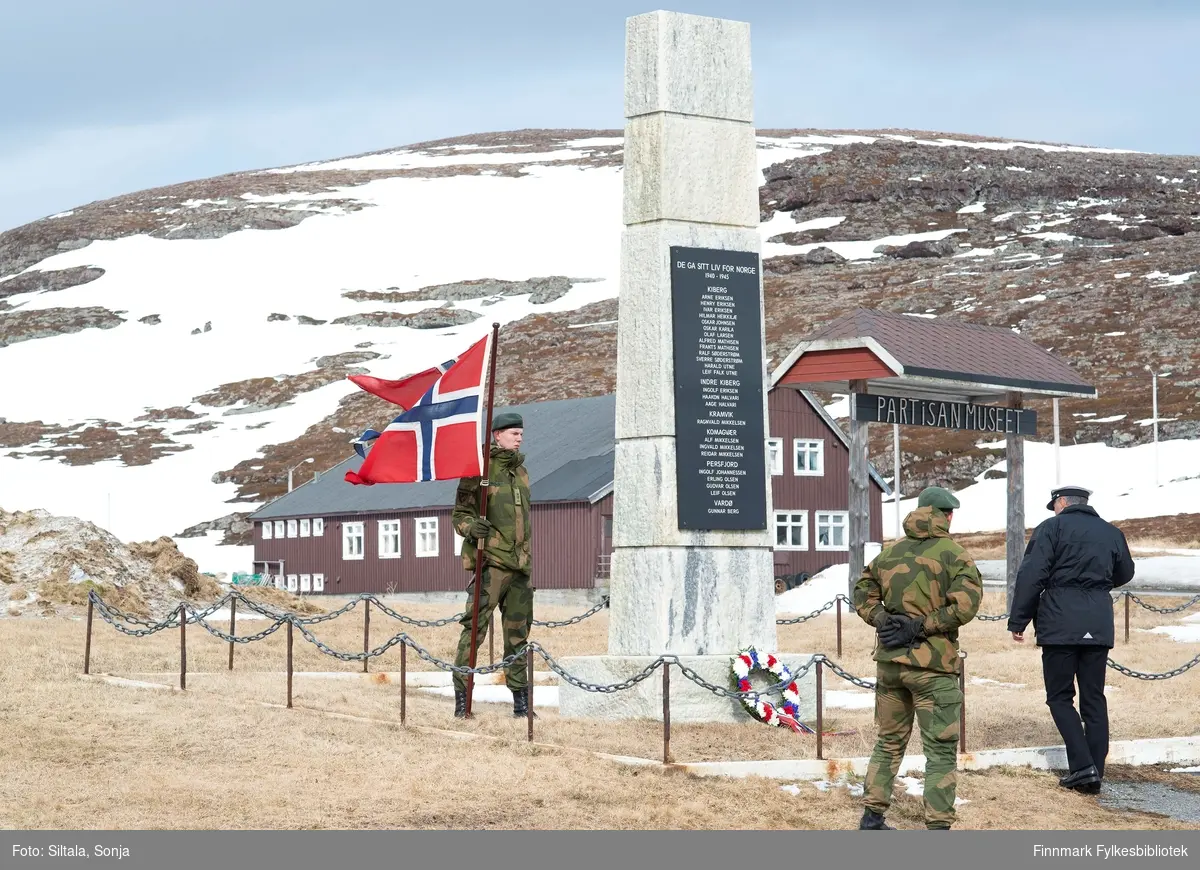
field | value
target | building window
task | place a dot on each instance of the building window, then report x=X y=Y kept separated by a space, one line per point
x=318 y=583
x=266 y=530
x=831 y=530
x=389 y=539
x=304 y=528
x=292 y=582
x=791 y=530
x=306 y=583
x=352 y=541
x=775 y=455
x=427 y=536
x=291 y=528
x=458 y=543
x=278 y=581
x=318 y=527
x=279 y=528
x=607 y=527
x=809 y=456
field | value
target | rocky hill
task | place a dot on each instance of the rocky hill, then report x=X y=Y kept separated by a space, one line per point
x=265 y=289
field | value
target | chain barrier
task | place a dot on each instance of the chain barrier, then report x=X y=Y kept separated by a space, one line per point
x=861 y=682
x=574 y=620
x=1142 y=675
x=1194 y=599
x=828 y=604
x=229 y=638
x=991 y=617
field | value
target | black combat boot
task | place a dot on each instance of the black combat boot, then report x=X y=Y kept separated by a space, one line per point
x=521 y=704
x=872 y=821
x=460 y=703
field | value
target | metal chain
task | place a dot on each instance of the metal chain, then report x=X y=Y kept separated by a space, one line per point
x=828 y=604
x=1141 y=675
x=612 y=688
x=111 y=616
x=229 y=638
x=846 y=675
x=408 y=620
x=985 y=617
x=1185 y=606
x=574 y=620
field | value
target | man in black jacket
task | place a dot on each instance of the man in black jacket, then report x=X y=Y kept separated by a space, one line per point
x=1073 y=562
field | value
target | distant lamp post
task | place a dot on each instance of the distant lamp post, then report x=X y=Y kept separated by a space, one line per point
x=293 y=468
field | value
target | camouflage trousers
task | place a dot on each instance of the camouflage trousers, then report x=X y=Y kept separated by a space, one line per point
x=936 y=700
x=510 y=590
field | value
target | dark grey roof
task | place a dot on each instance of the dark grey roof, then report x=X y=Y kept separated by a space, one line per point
x=570 y=456
x=566 y=432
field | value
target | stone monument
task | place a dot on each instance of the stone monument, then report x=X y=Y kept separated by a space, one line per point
x=691 y=570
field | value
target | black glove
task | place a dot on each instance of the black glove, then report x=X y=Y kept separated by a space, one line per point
x=480 y=528
x=900 y=631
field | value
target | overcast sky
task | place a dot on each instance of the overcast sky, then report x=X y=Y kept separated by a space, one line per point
x=103 y=97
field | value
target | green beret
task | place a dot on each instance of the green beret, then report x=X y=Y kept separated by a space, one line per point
x=937 y=497
x=507 y=420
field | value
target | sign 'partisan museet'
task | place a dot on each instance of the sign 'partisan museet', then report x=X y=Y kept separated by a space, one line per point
x=945 y=415
x=719 y=430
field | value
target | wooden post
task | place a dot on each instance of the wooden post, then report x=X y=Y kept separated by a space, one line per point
x=183 y=646
x=87 y=646
x=820 y=713
x=289 y=664
x=859 y=526
x=1015 y=535
x=839 y=626
x=366 y=634
x=232 y=626
x=666 y=712
x=403 y=681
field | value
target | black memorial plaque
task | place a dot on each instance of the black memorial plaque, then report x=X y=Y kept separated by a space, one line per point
x=945 y=415
x=720 y=445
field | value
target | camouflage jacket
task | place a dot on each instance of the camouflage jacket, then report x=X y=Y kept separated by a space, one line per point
x=507 y=510
x=925 y=574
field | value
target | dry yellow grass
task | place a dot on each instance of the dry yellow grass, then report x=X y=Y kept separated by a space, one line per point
x=81 y=753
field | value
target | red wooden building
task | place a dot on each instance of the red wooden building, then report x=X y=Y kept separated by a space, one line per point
x=330 y=536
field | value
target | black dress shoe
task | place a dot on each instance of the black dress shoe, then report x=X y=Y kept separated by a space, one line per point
x=873 y=822
x=1081 y=779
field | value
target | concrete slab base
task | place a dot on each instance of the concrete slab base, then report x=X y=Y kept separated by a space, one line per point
x=689 y=702
x=1164 y=750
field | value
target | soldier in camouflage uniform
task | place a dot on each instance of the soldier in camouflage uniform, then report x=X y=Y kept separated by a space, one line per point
x=506 y=556
x=917 y=593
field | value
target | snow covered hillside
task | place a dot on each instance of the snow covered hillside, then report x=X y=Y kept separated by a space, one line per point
x=167 y=355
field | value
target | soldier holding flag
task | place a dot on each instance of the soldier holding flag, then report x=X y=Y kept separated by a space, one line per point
x=505 y=532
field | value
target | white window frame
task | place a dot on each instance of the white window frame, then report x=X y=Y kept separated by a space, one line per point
x=318 y=582
x=388 y=528
x=809 y=444
x=421 y=529
x=351 y=532
x=845 y=526
x=291 y=529
x=458 y=543
x=305 y=528
x=266 y=530
x=277 y=580
x=803 y=545
x=305 y=583
x=293 y=581
x=279 y=528
x=318 y=527
x=775 y=467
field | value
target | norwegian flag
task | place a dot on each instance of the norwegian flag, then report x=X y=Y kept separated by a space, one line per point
x=441 y=436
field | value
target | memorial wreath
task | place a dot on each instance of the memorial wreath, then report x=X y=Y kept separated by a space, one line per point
x=750 y=661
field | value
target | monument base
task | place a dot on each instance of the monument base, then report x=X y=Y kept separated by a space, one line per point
x=689 y=702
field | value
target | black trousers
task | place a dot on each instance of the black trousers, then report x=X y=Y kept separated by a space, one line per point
x=1085 y=733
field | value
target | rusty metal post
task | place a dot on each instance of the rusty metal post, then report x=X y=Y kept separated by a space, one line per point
x=666 y=712
x=183 y=646
x=839 y=625
x=820 y=714
x=403 y=681
x=289 y=664
x=366 y=633
x=492 y=639
x=1126 y=617
x=962 y=710
x=87 y=646
x=529 y=689
x=232 y=625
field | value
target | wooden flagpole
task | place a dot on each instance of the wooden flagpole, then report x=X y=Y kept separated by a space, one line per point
x=483 y=494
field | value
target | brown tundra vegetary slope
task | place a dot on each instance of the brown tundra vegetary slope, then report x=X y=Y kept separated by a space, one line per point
x=1093 y=255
